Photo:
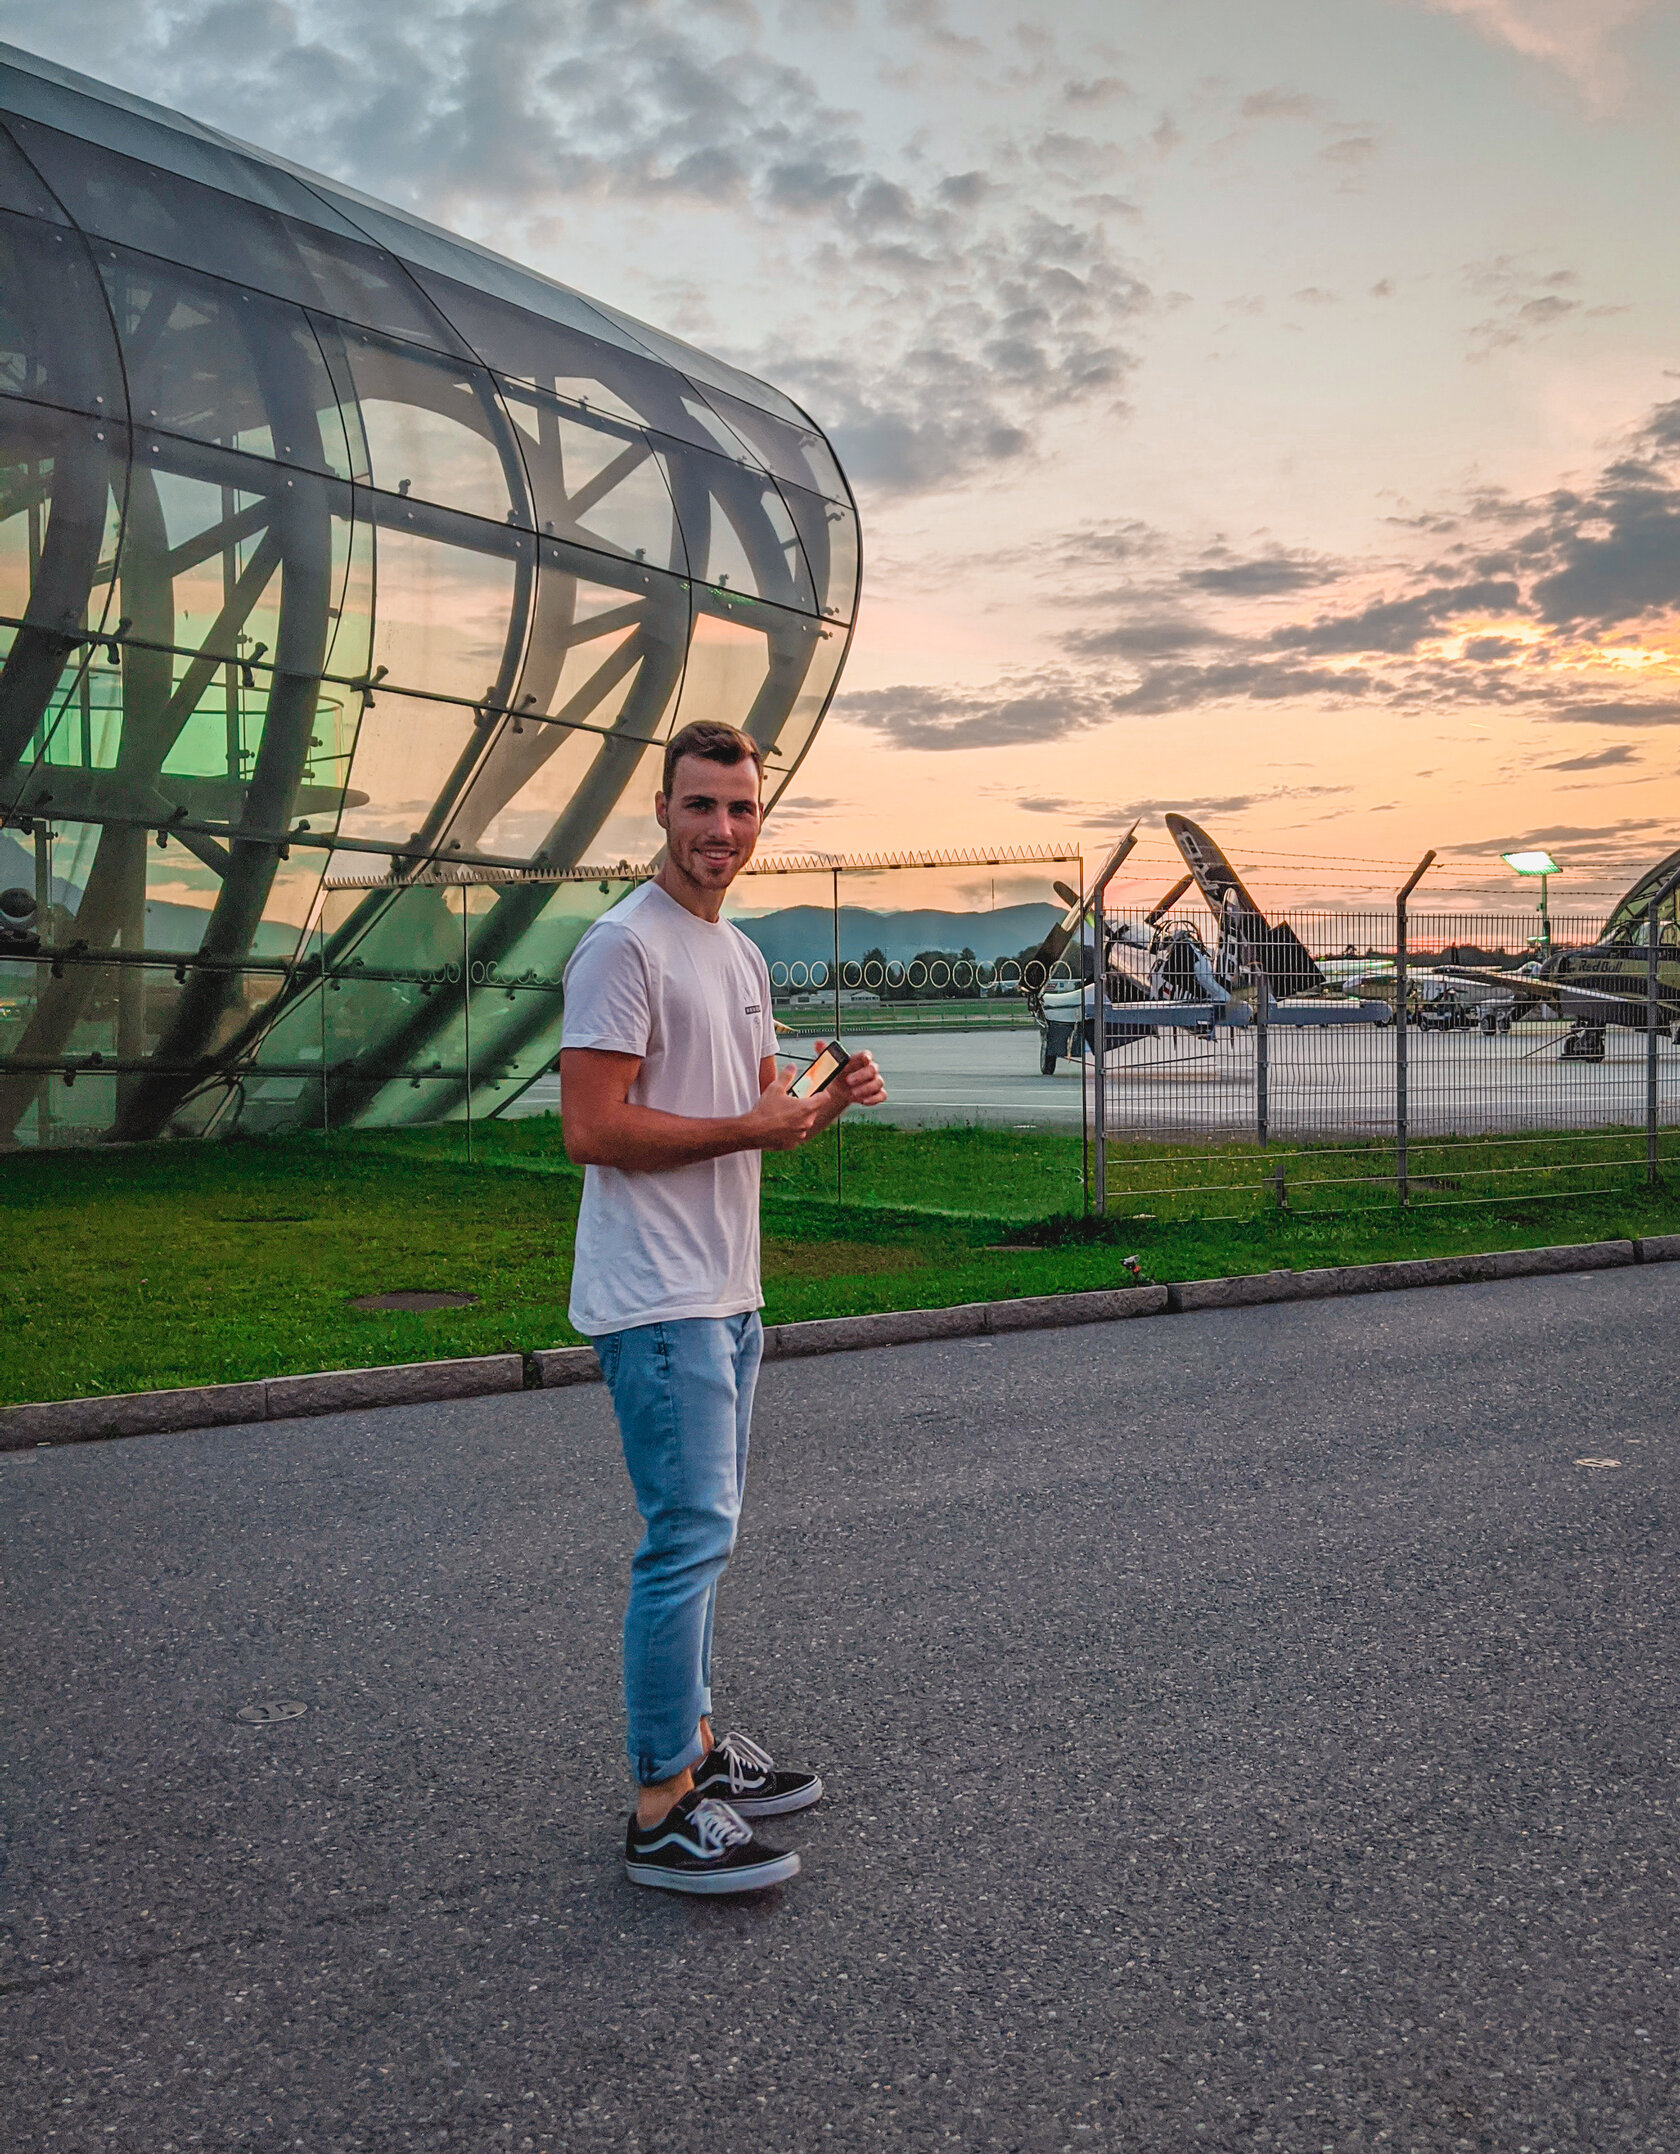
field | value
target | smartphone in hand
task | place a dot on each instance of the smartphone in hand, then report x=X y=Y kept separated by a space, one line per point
x=817 y=1076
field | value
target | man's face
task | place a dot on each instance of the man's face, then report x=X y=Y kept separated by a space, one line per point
x=711 y=818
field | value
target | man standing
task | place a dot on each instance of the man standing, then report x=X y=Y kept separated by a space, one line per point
x=669 y=1093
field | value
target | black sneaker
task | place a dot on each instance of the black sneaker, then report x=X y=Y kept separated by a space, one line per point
x=701 y=1845
x=739 y=1773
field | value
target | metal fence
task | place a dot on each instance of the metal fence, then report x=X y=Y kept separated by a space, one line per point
x=1422 y=1066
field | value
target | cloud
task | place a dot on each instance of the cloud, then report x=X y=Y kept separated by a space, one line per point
x=1024 y=712
x=1088 y=817
x=1630 y=826
x=1279 y=105
x=1263 y=576
x=929 y=20
x=1577 y=37
x=1398 y=624
x=1630 y=713
x=1151 y=632
x=960 y=307
x=1167 y=688
x=1103 y=90
x=1526 y=302
x=1604 y=759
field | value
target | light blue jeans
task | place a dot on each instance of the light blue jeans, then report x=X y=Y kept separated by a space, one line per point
x=683 y=1394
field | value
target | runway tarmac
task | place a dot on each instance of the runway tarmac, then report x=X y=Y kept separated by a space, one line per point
x=938 y=1077
x=1323 y=1081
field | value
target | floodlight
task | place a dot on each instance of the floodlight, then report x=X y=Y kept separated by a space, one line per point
x=1543 y=865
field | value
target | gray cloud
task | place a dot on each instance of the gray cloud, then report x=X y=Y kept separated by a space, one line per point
x=1162 y=632
x=961 y=308
x=1085 y=816
x=1102 y=90
x=1592 y=834
x=1629 y=713
x=1605 y=759
x=1263 y=576
x=1049 y=707
x=1167 y=688
x=1279 y=105
x=1397 y=624
x=1525 y=302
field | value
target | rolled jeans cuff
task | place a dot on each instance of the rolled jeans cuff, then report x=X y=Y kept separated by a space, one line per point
x=650 y=1771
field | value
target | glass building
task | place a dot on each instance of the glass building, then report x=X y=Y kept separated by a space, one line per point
x=351 y=578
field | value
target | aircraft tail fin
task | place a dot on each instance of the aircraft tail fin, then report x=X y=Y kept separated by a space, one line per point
x=1290 y=967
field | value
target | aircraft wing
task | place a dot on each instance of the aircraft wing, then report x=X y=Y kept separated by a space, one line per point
x=1525 y=987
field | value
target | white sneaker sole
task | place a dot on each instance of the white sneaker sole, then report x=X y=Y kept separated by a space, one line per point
x=775 y=1805
x=753 y=1880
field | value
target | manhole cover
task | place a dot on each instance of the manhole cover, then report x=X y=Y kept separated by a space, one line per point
x=263 y=1716
x=404 y=1300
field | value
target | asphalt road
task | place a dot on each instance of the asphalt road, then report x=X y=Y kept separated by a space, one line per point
x=1249 y=1730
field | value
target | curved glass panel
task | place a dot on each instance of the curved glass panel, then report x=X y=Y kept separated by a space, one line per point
x=327 y=538
x=795 y=452
x=56 y=343
x=738 y=530
x=206 y=359
x=21 y=186
x=433 y=428
x=828 y=531
x=176 y=219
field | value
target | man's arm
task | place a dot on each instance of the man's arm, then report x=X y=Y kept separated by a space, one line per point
x=602 y=1128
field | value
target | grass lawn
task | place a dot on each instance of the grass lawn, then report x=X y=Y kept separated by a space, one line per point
x=178 y=1264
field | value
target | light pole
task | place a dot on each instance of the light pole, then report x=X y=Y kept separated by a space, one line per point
x=1541 y=864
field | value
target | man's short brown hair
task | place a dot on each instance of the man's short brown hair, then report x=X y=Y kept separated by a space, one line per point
x=716 y=742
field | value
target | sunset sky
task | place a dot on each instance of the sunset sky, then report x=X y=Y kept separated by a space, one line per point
x=1268 y=408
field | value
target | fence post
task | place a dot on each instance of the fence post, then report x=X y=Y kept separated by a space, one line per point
x=466 y=1015
x=1653 y=1013
x=1099 y=1040
x=839 y=1141
x=321 y=997
x=1401 y=1029
x=1084 y=1113
x=1262 y=1055
x=1651 y=1044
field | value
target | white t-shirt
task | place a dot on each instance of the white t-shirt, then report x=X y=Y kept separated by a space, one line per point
x=692 y=998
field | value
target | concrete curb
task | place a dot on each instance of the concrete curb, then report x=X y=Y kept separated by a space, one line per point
x=1268 y=1286
x=413 y=1383
x=280 y=1398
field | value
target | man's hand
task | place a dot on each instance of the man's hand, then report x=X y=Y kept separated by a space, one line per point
x=859 y=1084
x=780 y=1123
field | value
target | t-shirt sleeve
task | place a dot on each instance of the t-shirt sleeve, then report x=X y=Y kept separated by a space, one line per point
x=607 y=1000
x=767 y=1043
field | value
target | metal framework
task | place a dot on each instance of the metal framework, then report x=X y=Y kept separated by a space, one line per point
x=326 y=535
